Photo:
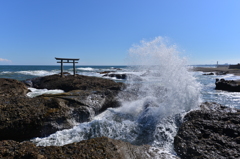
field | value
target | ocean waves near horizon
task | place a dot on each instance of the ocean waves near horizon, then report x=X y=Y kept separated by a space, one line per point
x=23 y=72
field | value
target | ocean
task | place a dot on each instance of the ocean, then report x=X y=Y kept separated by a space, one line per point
x=160 y=90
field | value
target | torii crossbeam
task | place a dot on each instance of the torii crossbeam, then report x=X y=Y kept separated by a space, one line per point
x=67 y=60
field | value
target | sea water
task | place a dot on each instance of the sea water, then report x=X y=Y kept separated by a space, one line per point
x=160 y=91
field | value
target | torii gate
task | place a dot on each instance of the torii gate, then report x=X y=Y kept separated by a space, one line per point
x=67 y=60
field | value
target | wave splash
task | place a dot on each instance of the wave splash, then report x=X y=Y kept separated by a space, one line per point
x=165 y=80
x=152 y=104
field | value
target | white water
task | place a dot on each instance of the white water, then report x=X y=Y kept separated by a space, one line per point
x=37 y=92
x=86 y=68
x=152 y=104
x=33 y=72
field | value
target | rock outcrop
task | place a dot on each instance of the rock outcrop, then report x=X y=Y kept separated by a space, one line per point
x=40 y=116
x=78 y=82
x=209 y=73
x=212 y=132
x=12 y=87
x=23 y=118
x=117 y=76
x=101 y=147
x=227 y=85
x=222 y=72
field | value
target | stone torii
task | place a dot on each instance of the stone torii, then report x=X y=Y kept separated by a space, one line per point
x=67 y=60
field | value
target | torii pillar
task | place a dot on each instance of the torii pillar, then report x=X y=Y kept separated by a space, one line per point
x=67 y=60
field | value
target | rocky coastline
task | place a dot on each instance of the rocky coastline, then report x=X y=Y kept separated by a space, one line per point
x=218 y=70
x=23 y=118
x=227 y=85
x=213 y=131
x=84 y=98
x=222 y=84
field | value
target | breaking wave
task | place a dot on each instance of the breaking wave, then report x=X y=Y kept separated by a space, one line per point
x=158 y=94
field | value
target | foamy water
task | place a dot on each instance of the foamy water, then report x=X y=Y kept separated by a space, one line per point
x=208 y=92
x=153 y=103
x=34 y=72
x=37 y=92
x=86 y=68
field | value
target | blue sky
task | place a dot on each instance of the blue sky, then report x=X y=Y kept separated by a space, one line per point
x=100 y=32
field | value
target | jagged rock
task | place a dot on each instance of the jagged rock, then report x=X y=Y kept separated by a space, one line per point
x=212 y=132
x=117 y=76
x=23 y=118
x=12 y=87
x=46 y=114
x=101 y=147
x=78 y=82
x=94 y=102
x=227 y=85
x=208 y=73
x=106 y=72
x=222 y=72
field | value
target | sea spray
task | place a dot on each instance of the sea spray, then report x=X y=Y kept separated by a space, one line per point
x=163 y=92
x=158 y=93
x=37 y=92
x=165 y=80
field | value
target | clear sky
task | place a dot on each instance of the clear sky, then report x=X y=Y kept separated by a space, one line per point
x=100 y=32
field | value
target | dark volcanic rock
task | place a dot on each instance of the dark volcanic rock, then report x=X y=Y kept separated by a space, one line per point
x=222 y=72
x=117 y=76
x=106 y=72
x=46 y=114
x=42 y=116
x=78 y=82
x=208 y=73
x=99 y=148
x=23 y=118
x=227 y=85
x=89 y=102
x=212 y=132
x=12 y=87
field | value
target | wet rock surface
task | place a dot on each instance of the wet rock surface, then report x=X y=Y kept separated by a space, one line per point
x=12 y=87
x=227 y=85
x=212 y=132
x=78 y=82
x=209 y=73
x=117 y=76
x=100 y=148
x=46 y=114
x=222 y=72
x=23 y=118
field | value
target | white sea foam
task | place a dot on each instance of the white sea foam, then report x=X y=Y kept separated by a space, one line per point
x=157 y=153
x=86 y=69
x=152 y=103
x=94 y=74
x=5 y=72
x=230 y=77
x=38 y=72
x=36 y=92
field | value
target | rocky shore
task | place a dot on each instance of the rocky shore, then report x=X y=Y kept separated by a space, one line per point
x=97 y=148
x=23 y=118
x=222 y=84
x=227 y=85
x=218 y=70
x=84 y=98
x=213 y=131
